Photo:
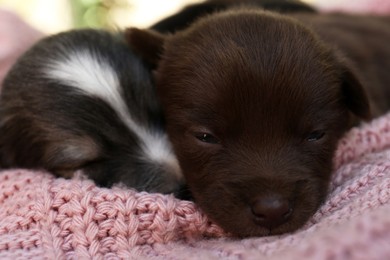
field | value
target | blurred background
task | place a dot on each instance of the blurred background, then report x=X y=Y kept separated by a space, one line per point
x=51 y=16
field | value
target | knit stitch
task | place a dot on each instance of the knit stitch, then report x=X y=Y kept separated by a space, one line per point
x=46 y=217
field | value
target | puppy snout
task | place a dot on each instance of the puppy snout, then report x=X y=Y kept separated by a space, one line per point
x=271 y=211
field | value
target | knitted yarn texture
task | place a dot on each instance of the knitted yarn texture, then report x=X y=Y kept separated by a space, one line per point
x=44 y=217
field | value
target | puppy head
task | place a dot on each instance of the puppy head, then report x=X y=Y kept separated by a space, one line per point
x=254 y=106
x=82 y=100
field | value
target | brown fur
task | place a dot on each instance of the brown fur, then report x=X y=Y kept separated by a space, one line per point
x=255 y=103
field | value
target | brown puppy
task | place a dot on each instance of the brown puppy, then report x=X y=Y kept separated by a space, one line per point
x=255 y=103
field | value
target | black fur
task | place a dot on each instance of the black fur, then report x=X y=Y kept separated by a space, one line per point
x=191 y=13
x=40 y=117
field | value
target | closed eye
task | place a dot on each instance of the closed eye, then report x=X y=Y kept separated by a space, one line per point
x=207 y=138
x=315 y=136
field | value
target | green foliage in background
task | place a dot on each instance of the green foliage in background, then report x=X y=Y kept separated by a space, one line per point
x=95 y=13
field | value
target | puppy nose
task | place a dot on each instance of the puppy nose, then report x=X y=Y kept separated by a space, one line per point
x=271 y=211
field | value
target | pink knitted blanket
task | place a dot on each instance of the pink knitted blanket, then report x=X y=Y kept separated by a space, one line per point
x=43 y=217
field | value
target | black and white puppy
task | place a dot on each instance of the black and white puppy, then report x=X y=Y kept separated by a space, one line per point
x=83 y=100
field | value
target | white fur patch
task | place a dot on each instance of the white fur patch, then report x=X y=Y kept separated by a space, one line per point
x=92 y=75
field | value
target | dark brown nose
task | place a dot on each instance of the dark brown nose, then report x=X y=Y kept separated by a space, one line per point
x=271 y=211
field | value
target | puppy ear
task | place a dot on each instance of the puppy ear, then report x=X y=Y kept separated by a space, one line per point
x=355 y=96
x=147 y=44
